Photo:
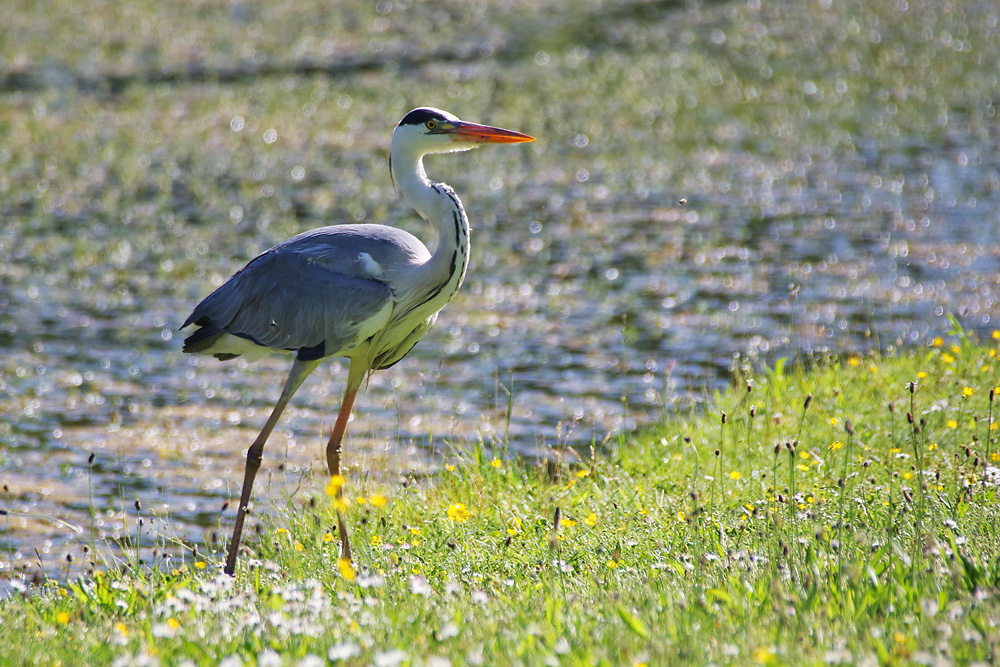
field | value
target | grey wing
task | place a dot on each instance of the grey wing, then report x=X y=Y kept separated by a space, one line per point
x=316 y=299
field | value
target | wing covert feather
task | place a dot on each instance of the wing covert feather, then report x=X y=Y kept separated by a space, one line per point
x=300 y=297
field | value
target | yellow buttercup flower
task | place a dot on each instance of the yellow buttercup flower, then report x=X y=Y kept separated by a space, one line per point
x=735 y=474
x=763 y=655
x=347 y=570
x=378 y=500
x=459 y=513
x=340 y=503
x=336 y=483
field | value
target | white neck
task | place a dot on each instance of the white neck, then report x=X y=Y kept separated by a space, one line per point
x=438 y=204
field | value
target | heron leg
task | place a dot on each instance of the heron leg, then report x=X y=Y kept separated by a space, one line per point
x=334 y=447
x=300 y=370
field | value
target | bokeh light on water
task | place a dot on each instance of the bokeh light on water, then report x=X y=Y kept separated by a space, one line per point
x=838 y=162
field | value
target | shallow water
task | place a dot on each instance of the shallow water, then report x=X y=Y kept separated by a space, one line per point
x=843 y=205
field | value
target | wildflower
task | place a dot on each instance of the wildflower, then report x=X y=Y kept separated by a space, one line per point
x=336 y=483
x=416 y=531
x=804 y=455
x=921 y=375
x=569 y=485
x=514 y=526
x=200 y=564
x=853 y=362
x=931 y=447
x=121 y=629
x=803 y=468
x=832 y=421
x=763 y=655
x=947 y=358
x=173 y=623
x=568 y=523
x=328 y=537
x=680 y=516
x=837 y=445
x=612 y=564
x=378 y=500
x=955 y=349
x=907 y=475
x=360 y=500
x=340 y=503
x=459 y=513
x=343 y=651
x=299 y=546
x=347 y=570
x=376 y=540
x=281 y=531
x=894 y=450
x=496 y=463
x=62 y=618
x=735 y=474
x=996 y=334
x=968 y=391
x=952 y=423
x=995 y=456
x=450 y=468
x=937 y=342
x=591 y=520
x=872 y=368
x=583 y=473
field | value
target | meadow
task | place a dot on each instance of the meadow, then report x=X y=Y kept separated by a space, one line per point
x=840 y=513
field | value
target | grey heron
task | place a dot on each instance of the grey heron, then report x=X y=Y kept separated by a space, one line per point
x=362 y=291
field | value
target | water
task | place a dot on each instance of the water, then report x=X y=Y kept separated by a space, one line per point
x=828 y=206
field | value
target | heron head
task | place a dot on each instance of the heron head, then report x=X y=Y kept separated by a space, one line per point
x=427 y=130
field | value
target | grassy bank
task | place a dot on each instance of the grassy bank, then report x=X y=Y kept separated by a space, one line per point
x=845 y=513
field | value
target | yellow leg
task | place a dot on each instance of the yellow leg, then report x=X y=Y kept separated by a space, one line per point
x=334 y=448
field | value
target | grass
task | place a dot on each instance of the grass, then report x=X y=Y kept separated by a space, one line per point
x=840 y=513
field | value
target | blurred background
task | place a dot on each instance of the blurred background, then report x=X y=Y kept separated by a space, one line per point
x=714 y=183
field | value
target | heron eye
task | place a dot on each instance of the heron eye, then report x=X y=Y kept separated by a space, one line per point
x=431 y=125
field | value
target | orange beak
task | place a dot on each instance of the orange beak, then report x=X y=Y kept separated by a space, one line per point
x=484 y=134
